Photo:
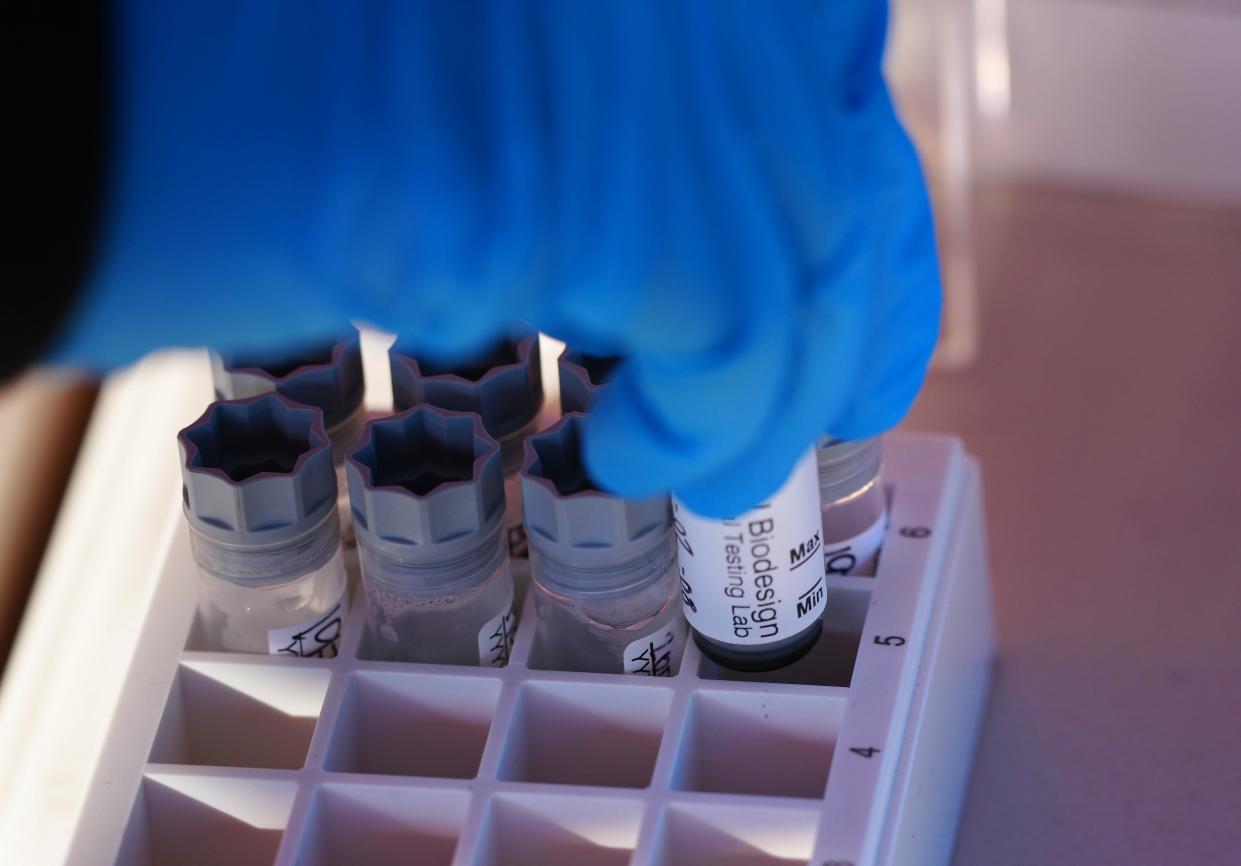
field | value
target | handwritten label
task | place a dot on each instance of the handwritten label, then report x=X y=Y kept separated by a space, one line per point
x=495 y=638
x=317 y=638
x=658 y=653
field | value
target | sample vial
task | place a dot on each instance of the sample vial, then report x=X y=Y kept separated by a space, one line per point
x=582 y=376
x=260 y=498
x=427 y=495
x=753 y=587
x=328 y=377
x=505 y=389
x=603 y=569
x=854 y=505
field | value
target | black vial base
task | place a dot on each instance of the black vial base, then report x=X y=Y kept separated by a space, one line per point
x=757 y=658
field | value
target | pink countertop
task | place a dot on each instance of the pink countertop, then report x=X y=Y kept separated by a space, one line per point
x=1105 y=406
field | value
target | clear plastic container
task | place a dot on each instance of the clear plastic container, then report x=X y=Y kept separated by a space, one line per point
x=259 y=494
x=854 y=505
x=440 y=614
x=427 y=494
x=624 y=618
x=299 y=615
x=603 y=569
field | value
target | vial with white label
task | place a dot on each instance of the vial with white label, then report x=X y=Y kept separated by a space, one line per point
x=603 y=569
x=504 y=387
x=853 y=503
x=582 y=377
x=259 y=494
x=753 y=586
x=328 y=377
x=427 y=494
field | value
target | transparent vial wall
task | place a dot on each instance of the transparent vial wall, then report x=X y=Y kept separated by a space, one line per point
x=604 y=572
x=452 y=627
x=300 y=616
x=858 y=754
x=259 y=497
x=639 y=632
x=853 y=503
x=427 y=492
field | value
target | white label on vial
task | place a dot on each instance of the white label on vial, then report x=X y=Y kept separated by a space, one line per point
x=318 y=638
x=658 y=653
x=495 y=638
x=757 y=578
x=855 y=555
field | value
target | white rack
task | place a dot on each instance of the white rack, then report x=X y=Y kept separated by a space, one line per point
x=857 y=754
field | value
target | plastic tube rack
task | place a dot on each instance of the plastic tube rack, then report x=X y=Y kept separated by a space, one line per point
x=857 y=755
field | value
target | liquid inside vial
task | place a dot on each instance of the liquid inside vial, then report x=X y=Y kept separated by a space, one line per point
x=301 y=617
x=853 y=531
x=638 y=633
x=854 y=505
x=603 y=568
x=472 y=627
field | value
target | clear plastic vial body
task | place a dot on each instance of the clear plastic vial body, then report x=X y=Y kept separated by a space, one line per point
x=427 y=494
x=273 y=610
x=623 y=619
x=753 y=587
x=854 y=505
x=603 y=570
x=260 y=499
x=440 y=614
x=504 y=387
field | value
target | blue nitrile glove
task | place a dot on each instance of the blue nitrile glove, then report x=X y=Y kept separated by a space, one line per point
x=718 y=191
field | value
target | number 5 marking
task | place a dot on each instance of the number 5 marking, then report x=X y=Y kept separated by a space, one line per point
x=890 y=640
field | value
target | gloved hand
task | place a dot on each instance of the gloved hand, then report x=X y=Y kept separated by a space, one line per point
x=719 y=192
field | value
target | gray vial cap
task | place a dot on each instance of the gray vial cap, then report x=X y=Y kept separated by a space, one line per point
x=425 y=485
x=582 y=376
x=569 y=519
x=256 y=471
x=505 y=387
x=328 y=377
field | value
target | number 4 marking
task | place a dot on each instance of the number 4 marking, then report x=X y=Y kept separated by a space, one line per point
x=868 y=752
